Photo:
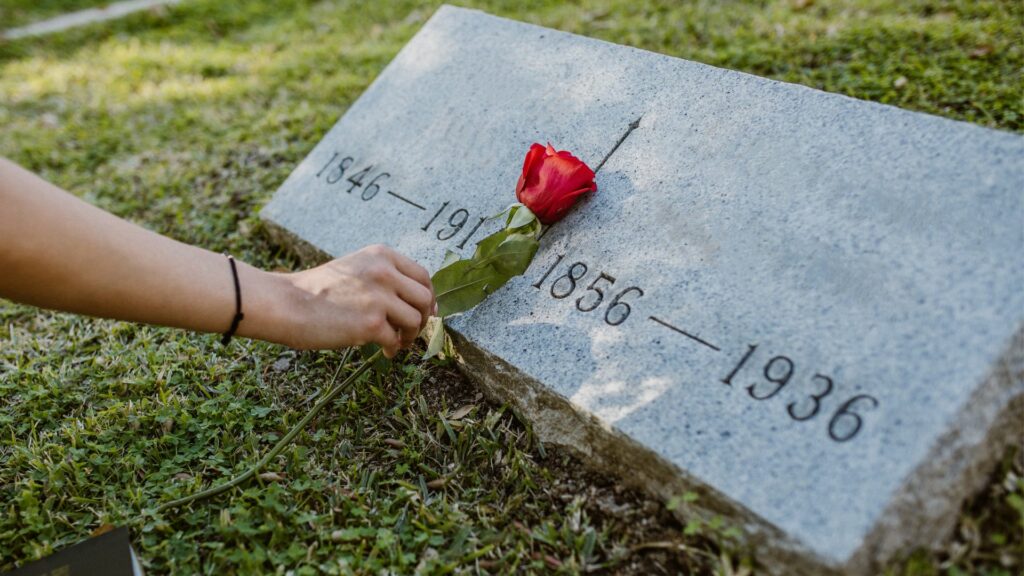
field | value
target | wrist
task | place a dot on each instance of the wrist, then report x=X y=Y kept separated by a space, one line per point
x=272 y=305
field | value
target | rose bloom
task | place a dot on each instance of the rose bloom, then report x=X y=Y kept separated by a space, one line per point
x=552 y=181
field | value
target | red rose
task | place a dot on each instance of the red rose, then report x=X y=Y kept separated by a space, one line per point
x=552 y=181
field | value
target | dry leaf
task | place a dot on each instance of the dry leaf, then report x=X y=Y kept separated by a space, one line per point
x=552 y=561
x=103 y=529
x=434 y=335
x=462 y=412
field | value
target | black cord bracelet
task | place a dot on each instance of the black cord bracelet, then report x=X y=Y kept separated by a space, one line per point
x=238 y=303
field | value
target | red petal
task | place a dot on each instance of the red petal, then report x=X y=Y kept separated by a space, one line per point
x=567 y=155
x=531 y=164
x=552 y=181
x=560 y=176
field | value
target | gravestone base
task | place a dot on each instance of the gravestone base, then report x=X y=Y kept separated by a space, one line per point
x=959 y=464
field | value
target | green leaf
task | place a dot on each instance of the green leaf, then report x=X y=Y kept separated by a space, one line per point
x=520 y=216
x=589 y=539
x=460 y=286
x=693 y=527
x=504 y=211
x=732 y=532
x=487 y=246
x=513 y=256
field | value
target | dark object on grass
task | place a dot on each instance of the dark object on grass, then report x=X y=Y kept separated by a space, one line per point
x=109 y=554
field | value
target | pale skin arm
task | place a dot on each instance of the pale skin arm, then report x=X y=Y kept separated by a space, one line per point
x=59 y=252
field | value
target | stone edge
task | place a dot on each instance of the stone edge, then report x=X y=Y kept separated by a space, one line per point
x=924 y=510
x=307 y=253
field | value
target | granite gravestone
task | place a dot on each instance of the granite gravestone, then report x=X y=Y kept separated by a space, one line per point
x=806 y=307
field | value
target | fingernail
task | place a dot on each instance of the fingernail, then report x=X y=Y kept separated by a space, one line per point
x=435 y=308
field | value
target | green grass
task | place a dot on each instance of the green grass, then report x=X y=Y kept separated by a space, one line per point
x=14 y=13
x=186 y=120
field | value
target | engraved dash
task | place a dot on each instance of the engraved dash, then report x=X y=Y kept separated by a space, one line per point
x=685 y=333
x=629 y=130
x=632 y=126
x=406 y=200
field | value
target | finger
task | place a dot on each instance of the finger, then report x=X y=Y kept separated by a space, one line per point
x=388 y=340
x=405 y=319
x=415 y=295
x=411 y=269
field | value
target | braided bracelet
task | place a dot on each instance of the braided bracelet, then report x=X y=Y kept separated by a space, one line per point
x=238 y=304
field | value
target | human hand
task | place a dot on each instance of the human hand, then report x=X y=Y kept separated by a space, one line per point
x=372 y=295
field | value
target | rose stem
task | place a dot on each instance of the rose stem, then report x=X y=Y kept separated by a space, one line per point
x=283 y=442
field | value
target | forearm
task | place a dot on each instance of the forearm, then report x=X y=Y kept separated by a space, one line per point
x=59 y=252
